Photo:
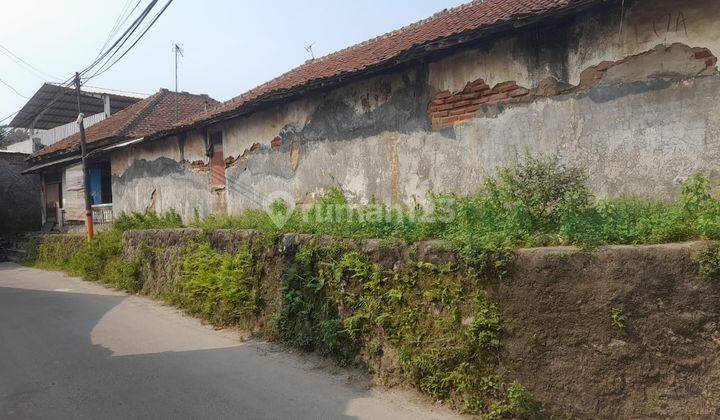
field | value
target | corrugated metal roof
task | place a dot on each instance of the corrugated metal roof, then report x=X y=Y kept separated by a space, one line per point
x=64 y=109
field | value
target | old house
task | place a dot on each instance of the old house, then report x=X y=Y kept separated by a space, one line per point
x=59 y=163
x=626 y=89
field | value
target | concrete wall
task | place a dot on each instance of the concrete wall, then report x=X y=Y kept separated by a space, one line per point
x=170 y=174
x=633 y=103
x=20 y=208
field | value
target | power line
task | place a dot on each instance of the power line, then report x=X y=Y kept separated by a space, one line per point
x=115 y=47
x=22 y=63
x=106 y=67
x=13 y=89
x=110 y=52
x=9 y=116
x=119 y=23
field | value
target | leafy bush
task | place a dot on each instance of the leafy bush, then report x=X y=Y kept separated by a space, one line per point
x=709 y=262
x=222 y=288
x=137 y=221
x=445 y=332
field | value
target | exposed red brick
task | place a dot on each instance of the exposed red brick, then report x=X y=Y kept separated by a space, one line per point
x=497 y=97
x=519 y=92
x=478 y=88
x=703 y=53
x=505 y=87
x=199 y=165
x=444 y=107
x=463 y=106
x=465 y=110
x=443 y=94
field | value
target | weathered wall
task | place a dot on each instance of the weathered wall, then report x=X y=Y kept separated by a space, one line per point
x=73 y=194
x=20 y=208
x=171 y=174
x=635 y=104
x=556 y=305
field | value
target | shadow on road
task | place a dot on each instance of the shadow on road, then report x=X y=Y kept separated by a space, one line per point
x=50 y=368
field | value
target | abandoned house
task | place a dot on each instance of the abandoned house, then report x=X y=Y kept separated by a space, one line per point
x=59 y=163
x=625 y=89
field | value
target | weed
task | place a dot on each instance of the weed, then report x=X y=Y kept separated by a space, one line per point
x=617 y=318
x=709 y=262
x=220 y=287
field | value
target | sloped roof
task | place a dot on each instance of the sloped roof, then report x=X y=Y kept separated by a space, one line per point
x=54 y=105
x=150 y=115
x=446 y=29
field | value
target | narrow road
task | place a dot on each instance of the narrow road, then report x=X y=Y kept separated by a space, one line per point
x=74 y=349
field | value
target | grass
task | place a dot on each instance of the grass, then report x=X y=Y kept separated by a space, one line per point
x=538 y=202
x=434 y=321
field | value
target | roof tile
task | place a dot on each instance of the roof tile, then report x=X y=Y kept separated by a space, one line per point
x=150 y=115
x=474 y=16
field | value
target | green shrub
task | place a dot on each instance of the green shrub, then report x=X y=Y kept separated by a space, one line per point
x=709 y=262
x=617 y=318
x=220 y=287
x=91 y=260
x=309 y=317
x=53 y=251
x=138 y=221
x=445 y=332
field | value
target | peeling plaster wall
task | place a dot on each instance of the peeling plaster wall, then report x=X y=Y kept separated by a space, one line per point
x=563 y=51
x=160 y=176
x=73 y=193
x=639 y=116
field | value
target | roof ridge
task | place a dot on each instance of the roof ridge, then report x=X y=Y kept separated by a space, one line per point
x=142 y=113
x=394 y=32
x=459 y=25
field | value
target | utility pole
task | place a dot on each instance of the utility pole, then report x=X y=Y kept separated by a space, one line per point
x=83 y=153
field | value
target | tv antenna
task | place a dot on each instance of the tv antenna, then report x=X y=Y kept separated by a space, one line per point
x=309 y=49
x=177 y=49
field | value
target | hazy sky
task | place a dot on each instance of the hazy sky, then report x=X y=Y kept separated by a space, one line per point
x=230 y=46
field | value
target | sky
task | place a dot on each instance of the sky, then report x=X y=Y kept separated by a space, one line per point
x=229 y=46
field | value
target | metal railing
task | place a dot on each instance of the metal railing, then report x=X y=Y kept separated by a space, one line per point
x=54 y=135
x=102 y=213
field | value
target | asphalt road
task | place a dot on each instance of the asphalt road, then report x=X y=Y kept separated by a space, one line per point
x=73 y=349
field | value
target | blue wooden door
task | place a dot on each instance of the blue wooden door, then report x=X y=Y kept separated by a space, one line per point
x=95 y=186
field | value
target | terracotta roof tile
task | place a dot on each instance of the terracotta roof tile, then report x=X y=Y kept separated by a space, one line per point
x=155 y=113
x=477 y=17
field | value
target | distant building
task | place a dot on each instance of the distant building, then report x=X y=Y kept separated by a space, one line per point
x=63 y=202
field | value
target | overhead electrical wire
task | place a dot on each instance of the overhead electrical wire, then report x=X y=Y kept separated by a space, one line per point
x=24 y=64
x=12 y=88
x=106 y=56
x=105 y=67
x=122 y=39
x=119 y=22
